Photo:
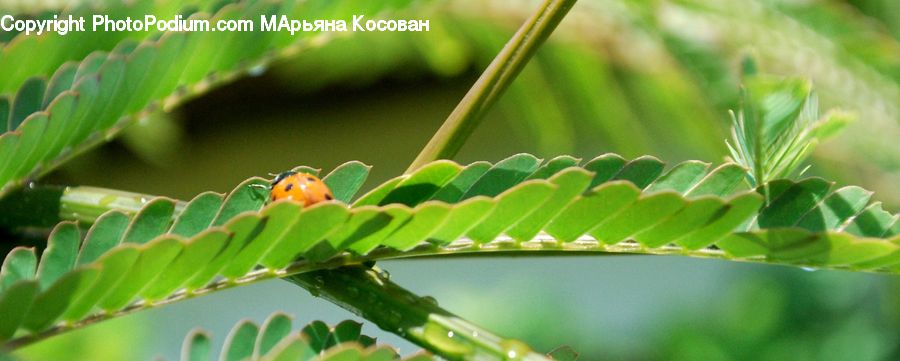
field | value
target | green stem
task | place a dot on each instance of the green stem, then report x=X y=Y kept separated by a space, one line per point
x=495 y=79
x=85 y=204
x=369 y=293
x=46 y=205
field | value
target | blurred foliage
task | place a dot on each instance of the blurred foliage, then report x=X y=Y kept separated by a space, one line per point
x=120 y=339
x=656 y=77
x=777 y=315
x=631 y=77
x=755 y=314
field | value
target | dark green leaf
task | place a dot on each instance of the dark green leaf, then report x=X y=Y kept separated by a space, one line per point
x=240 y=342
x=198 y=214
x=641 y=171
x=503 y=175
x=103 y=236
x=345 y=180
x=153 y=219
x=19 y=264
x=59 y=257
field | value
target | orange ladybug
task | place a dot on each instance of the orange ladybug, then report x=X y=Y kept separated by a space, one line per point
x=301 y=187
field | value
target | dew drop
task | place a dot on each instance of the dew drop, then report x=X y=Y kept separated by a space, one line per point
x=429 y=300
x=809 y=269
x=257 y=70
x=515 y=350
x=383 y=273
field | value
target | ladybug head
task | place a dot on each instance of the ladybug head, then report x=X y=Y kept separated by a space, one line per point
x=282 y=176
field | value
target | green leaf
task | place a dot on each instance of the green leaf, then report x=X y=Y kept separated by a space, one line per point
x=243 y=229
x=604 y=167
x=835 y=209
x=61 y=81
x=362 y=222
x=280 y=217
x=240 y=342
x=872 y=222
x=155 y=257
x=330 y=234
x=641 y=171
x=115 y=265
x=642 y=214
x=4 y=113
x=570 y=183
x=694 y=215
x=196 y=347
x=786 y=208
x=275 y=341
x=425 y=220
x=422 y=184
x=316 y=334
x=103 y=236
x=315 y=223
x=740 y=208
x=681 y=178
x=588 y=210
x=243 y=198
x=291 y=349
x=49 y=305
x=347 y=179
x=371 y=238
x=503 y=175
x=59 y=257
x=198 y=251
x=374 y=196
x=14 y=305
x=30 y=135
x=345 y=331
x=198 y=214
x=28 y=100
x=19 y=264
x=151 y=221
x=513 y=205
x=721 y=182
x=277 y=327
x=454 y=190
x=462 y=218
x=554 y=166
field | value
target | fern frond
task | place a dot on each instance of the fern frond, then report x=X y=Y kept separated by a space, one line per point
x=275 y=340
x=778 y=126
x=27 y=56
x=51 y=123
x=519 y=204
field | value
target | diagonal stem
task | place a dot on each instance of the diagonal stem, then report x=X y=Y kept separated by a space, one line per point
x=495 y=79
x=369 y=293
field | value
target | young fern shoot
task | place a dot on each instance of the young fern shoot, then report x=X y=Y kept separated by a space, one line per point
x=778 y=126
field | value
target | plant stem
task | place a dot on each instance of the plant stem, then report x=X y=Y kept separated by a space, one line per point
x=46 y=205
x=85 y=204
x=369 y=293
x=495 y=79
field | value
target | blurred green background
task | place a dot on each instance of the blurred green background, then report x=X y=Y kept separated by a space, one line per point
x=632 y=77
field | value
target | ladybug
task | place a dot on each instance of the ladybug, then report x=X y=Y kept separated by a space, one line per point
x=300 y=187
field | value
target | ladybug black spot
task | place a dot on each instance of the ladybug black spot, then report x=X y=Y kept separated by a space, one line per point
x=288 y=187
x=328 y=197
x=311 y=179
x=282 y=176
